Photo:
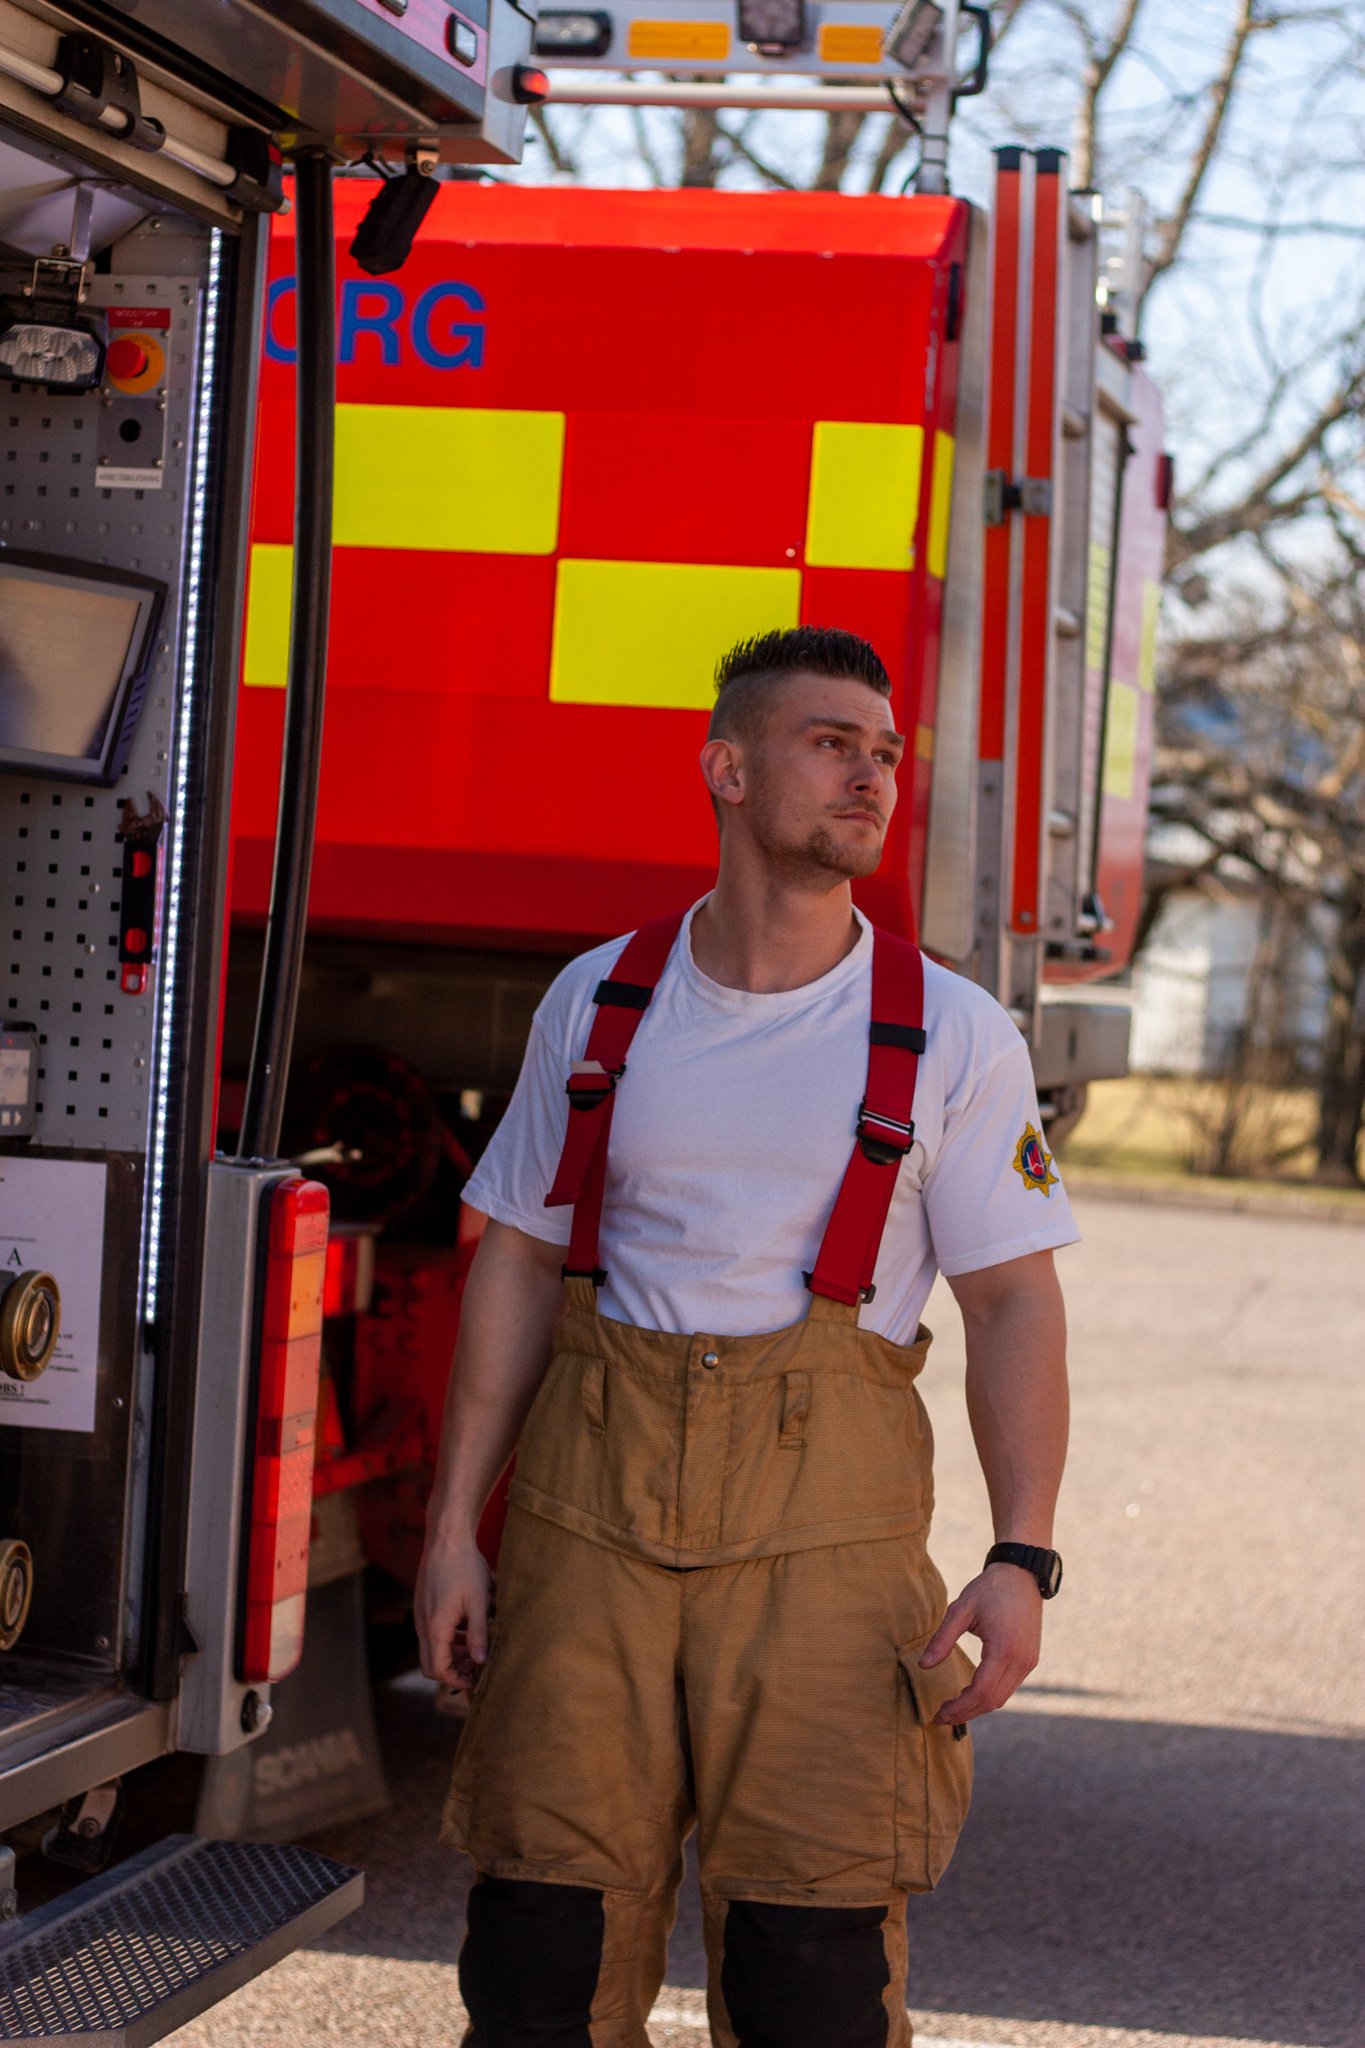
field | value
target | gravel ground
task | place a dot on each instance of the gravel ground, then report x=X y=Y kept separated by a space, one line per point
x=1166 y=1845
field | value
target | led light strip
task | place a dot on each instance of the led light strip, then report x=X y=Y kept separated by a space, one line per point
x=187 y=672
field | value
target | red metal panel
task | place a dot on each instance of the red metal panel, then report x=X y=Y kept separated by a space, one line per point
x=660 y=487
x=452 y=625
x=541 y=216
x=1140 y=566
x=1035 y=614
x=479 y=318
x=692 y=373
x=925 y=651
x=1000 y=432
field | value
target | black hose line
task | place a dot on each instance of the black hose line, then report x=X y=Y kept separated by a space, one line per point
x=268 y=1075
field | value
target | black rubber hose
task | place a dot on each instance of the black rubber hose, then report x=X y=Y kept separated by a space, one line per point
x=268 y=1075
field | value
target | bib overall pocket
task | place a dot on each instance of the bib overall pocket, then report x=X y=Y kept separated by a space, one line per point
x=933 y=1766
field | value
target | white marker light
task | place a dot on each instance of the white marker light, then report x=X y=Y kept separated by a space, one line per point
x=772 y=27
x=62 y=358
x=912 y=32
x=572 y=32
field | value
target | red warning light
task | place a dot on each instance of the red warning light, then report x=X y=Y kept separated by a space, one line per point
x=530 y=86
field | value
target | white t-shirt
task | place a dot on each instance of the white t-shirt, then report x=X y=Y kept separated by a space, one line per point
x=732 y=1129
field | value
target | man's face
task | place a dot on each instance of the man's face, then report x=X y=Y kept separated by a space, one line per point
x=820 y=786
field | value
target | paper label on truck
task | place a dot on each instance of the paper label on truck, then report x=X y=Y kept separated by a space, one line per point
x=130 y=479
x=52 y=1221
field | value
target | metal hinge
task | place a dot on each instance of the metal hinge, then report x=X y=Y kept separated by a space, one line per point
x=1031 y=495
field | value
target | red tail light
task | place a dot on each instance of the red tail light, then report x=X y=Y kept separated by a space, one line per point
x=279 y=1516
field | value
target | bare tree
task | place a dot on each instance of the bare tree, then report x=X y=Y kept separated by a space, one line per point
x=1262 y=760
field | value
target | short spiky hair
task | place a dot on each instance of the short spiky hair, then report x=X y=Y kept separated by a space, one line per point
x=745 y=676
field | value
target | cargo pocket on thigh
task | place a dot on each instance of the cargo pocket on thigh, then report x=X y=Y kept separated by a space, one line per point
x=933 y=1767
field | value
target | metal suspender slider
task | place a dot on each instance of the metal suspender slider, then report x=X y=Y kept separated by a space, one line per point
x=590 y=1083
x=885 y=1141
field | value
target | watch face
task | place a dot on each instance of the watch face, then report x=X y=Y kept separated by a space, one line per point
x=1051 y=1577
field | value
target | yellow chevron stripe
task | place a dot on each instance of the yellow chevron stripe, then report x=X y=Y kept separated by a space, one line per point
x=864 y=495
x=268 y=608
x=940 y=506
x=466 y=479
x=651 y=633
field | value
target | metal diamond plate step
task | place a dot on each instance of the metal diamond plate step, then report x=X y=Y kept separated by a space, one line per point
x=137 y=1952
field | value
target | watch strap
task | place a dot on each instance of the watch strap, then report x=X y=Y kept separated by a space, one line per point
x=1044 y=1566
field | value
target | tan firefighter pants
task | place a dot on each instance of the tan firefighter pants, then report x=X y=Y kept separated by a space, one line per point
x=773 y=1700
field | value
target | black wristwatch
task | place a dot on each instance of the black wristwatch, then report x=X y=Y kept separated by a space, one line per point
x=1044 y=1565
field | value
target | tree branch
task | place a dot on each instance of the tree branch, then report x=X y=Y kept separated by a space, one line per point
x=646 y=148
x=1257 y=507
x=841 y=136
x=701 y=131
x=561 y=160
x=1099 y=68
x=1173 y=229
x=755 y=162
x=894 y=144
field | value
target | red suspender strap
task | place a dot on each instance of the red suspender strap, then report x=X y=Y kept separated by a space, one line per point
x=621 y=1000
x=886 y=1130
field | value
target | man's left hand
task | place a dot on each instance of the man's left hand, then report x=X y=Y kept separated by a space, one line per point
x=1003 y=1607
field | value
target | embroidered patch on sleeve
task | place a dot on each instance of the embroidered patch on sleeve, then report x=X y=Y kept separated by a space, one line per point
x=1032 y=1164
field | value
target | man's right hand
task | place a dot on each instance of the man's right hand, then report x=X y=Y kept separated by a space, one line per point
x=452 y=1603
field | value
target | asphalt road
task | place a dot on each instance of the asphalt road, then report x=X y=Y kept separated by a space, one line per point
x=1168 y=1838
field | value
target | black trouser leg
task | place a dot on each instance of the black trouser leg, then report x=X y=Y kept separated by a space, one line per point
x=530 y=1963
x=806 y=1976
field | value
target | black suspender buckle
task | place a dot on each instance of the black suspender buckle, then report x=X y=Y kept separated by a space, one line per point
x=865 y=1294
x=884 y=1140
x=590 y=1083
x=597 y=1276
x=622 y=995
x=905 y=1037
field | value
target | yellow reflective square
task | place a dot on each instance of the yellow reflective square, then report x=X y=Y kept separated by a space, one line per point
x=268 y=607
x=704 y=40
x=864 y=495
x=940 y=505
x=1097 y=604
x=849 y=43
x=652 y=632
x=467 y=479
x=1151 y=620
x=1121 y=740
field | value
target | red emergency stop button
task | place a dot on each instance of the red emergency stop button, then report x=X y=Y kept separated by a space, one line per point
x=126 y=359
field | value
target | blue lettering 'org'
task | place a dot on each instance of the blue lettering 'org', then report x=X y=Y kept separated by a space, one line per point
x=444 y=327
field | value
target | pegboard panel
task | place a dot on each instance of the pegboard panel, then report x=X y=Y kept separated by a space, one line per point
x=60 y=855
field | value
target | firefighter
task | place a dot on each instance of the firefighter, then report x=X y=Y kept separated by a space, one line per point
x=741 y=1145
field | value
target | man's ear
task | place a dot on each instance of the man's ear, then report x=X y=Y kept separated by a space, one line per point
x=722 y=767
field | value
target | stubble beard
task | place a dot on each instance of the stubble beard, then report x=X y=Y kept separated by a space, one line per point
x=822 y=857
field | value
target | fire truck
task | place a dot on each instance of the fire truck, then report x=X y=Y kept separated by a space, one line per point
x=160 y=1306
x=586 y=440
x=583 y=441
